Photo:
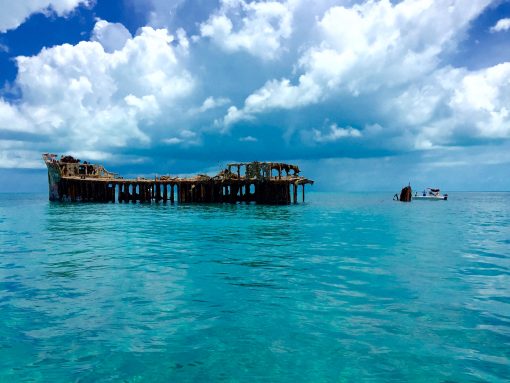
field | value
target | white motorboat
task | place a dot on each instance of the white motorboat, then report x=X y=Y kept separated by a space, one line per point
x=430 y=194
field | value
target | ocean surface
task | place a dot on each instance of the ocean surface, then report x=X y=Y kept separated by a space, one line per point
x=350 y=287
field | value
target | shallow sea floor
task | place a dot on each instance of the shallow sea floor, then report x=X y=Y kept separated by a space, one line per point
x=344 y=288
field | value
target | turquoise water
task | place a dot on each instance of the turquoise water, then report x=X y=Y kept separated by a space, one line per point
x=345 y=288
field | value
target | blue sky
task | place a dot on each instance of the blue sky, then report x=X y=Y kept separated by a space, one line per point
x=363 y=95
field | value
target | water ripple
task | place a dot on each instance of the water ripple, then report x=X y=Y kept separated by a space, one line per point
x=348 y=287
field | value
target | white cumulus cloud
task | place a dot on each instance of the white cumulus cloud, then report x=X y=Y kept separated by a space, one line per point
x=334 y=133
x=15 y=12
x=387 y=57
x=212 y=103
x=11 y=120
x=112 y=36
x=368 y=46
x=185 y=137
x=259 y=31
x=501 y=25
x=85 y=98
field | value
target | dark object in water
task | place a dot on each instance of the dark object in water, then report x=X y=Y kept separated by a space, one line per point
x=406 y=194
x=70 y=179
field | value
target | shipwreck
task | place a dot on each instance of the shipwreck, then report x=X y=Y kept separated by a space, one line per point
x=72 y=180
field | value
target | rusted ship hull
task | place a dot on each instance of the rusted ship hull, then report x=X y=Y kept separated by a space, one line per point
x=262 y=183
x=53 y=181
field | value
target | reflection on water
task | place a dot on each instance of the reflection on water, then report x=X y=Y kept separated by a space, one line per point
x=347 y=287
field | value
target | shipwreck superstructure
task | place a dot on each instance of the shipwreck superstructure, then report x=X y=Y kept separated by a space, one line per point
x=70 y=179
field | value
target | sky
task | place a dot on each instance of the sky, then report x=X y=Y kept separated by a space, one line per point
x=362 y=95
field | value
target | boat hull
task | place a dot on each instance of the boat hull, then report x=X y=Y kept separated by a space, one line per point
x=431 y=198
